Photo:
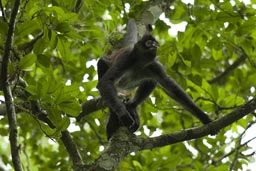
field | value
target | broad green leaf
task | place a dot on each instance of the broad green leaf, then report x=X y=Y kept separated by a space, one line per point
x=63 y=27
x=195 y=78
x=26 y=28
x=54 y=114
x=27 y=61
x=64 y=124
x=137 y=165
x=53 y=39
x=71 y=107
x=64 y=47
x=196 y=52
x=44 y=60
x=217 y=54
x=49 y=131
x=40 y=46
x=215 y=43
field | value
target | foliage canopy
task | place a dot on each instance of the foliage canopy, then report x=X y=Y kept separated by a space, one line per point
x=52 y=71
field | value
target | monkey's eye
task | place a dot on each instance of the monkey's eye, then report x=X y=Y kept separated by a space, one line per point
x=148 y=43
x=151 y=43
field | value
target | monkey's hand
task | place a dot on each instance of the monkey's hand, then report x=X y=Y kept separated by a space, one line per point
x=127 y=120
x=133 y=112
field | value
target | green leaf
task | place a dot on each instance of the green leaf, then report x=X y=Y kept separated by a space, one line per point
x=27 y=61
x=63 y=27
x=28 y=27
x=40 y=46
x=49 y=131
x=54 y=115
x=53 y=39
x=3 y=29
x=215 y=43
x=196 y=52
x=71 y=107
x=64 y=47
x=217 y=54
x=195 y=78
x=64 y=124
x=44 y=60
x=137 y=165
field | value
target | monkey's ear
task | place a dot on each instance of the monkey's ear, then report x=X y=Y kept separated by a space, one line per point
x=149 y=28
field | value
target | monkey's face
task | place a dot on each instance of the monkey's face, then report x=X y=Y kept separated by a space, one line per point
x=147 y=46
x=150 y=47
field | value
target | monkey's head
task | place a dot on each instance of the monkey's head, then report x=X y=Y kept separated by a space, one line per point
x=147 y=45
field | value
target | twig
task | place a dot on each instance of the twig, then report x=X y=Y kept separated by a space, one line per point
x=7 y=90
x=96 y=133
x=3 y=11
x=78 y=5
x=229 y=69
x=22 y=10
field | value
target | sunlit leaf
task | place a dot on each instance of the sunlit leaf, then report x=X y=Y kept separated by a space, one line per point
x=27 y=61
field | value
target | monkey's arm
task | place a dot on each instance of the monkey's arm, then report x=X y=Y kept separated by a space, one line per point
x=102 y=66
x=143 y=91
x=177 y=93
x=106 y=86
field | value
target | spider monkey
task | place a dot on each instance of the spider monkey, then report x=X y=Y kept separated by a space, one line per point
x=136 y=67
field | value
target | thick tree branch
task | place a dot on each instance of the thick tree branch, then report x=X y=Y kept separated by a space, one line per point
x=8 y=92
x=123 y=142
x=200 y=131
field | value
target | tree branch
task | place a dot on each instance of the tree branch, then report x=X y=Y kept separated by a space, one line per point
x=38 y=113
x=78 y=5
x=91 y=106
x=8 y=92
x=3 y=11
x=72 y=150
x=28 y=46
x=229 y=69
x=201 y=131
x=123 y=142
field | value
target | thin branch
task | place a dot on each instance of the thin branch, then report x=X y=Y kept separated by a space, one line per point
x=96 y=133
x=72 y=150
x=91 y=106
x=228 y=70
x=7 y=90
x=237 y=148
x=22 y=9
x=78 y=5
x=28 y=46
x=3 y=11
